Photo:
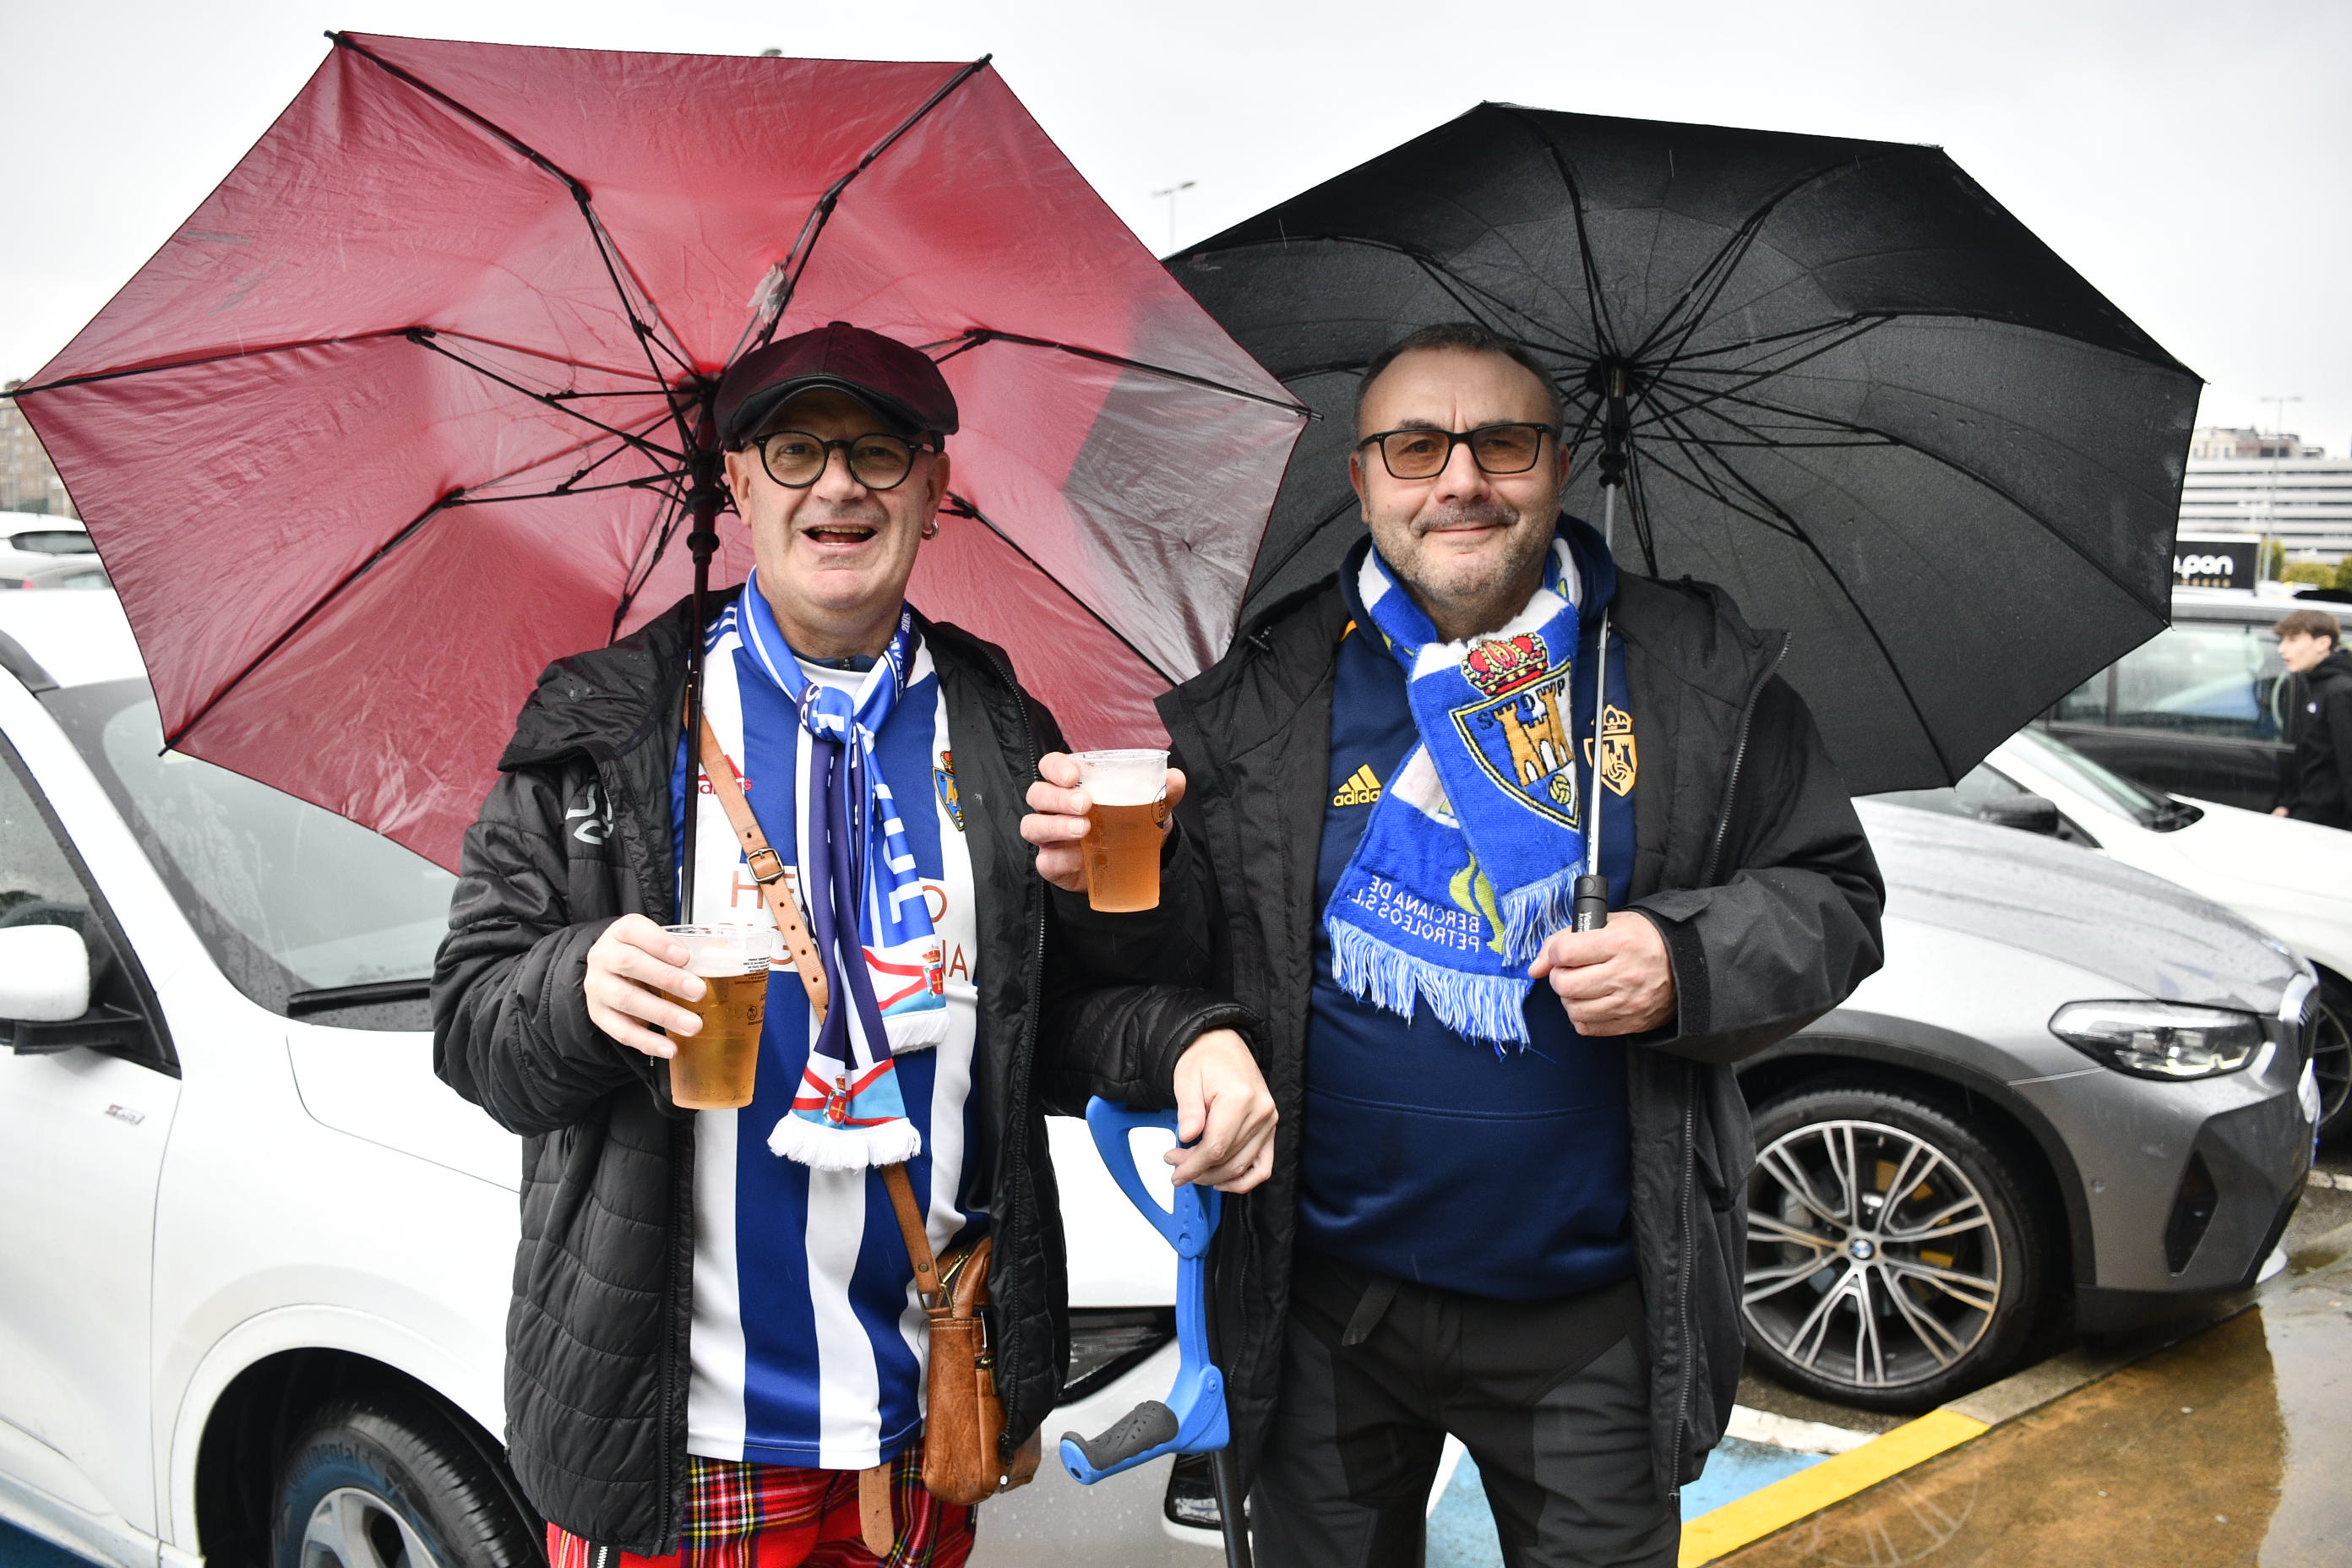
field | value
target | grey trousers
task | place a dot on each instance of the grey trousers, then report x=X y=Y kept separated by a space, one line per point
x=1552 y=1399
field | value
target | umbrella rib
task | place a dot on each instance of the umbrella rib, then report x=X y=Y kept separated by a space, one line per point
x=447 y=501
x=65 y=381
x=1886 y=655
x=1717 y=274
x=772 y=312
x=1974 y=478
x=605 y=247
x=958 y=506
x=1758 y=435
x=1445 y=277
x=663 y=530
x=424 y=337
x=1862 y=328
x=1596 y=301
x=976 y=336
x=1298 y=546
x=441 y=504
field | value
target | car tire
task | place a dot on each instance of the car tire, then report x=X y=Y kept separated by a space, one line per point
x=1909 y=1300
x=2331 y=1058
x=385 y=1481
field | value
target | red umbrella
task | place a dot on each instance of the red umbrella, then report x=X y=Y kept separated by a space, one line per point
x=415 y=401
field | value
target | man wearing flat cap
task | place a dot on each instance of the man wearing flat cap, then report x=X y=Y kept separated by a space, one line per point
x=714 y=1343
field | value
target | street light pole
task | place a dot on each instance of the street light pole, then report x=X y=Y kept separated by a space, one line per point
x=2278 y=454
x=1171 y=195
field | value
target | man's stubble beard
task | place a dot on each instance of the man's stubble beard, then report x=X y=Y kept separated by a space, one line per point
x=1515 y=575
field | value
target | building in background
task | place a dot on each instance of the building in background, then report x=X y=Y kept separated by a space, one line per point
x=28 y=482
x=2244 y=481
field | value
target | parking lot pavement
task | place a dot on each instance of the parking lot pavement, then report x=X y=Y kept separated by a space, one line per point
x=2228 y=1448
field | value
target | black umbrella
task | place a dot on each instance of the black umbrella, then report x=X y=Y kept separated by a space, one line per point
x=1855 y=390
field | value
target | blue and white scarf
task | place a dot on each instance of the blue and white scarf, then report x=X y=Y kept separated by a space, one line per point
x=864 y=902
x=1471 y=855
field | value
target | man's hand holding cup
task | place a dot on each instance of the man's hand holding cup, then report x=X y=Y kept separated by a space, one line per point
x=1062 y=804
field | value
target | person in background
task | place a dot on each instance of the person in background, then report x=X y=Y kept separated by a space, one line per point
x=2318 y=782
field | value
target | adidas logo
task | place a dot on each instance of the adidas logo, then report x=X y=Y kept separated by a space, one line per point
x=1361 y=789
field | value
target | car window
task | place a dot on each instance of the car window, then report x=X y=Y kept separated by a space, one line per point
x=53 y=542
x=2086 y=704
x=295 y=903
x=2207 y=679
x=40 y=884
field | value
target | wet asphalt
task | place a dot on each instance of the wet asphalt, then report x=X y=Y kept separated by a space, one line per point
x=2232 y=1447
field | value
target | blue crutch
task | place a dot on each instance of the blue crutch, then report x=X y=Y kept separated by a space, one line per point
x=1191 y=1419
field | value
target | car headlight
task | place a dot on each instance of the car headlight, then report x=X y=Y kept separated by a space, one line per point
x=2159 y=1039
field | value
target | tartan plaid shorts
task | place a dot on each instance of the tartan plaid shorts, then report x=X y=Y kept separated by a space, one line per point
x=744 y=1515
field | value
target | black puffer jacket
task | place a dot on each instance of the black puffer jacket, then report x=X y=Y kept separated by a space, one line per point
x=576 y=833
x=1748 y=854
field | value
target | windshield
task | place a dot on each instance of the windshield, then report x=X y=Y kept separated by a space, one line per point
x=2145 y=806
x=292 y=901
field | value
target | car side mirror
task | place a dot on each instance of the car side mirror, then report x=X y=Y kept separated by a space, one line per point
x=44 y=1003
x=2026 y=813
x=44 y=973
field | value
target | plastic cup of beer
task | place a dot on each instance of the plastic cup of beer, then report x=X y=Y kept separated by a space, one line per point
x=1129 y=792
x=713 y=1067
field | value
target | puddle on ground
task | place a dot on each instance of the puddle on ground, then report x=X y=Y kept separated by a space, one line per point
x=2232 y=1447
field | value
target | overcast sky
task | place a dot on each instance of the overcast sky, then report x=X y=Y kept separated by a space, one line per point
x=2191 y=159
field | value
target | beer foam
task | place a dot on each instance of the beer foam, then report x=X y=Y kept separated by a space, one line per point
x=1132 y=779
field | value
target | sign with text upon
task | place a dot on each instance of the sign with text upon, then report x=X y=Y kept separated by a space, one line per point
x=2215 y=560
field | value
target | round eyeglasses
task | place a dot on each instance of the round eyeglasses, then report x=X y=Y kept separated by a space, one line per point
x=796 y=459
x=1423 y=453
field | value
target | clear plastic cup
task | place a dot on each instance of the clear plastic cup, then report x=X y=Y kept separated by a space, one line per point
x=714 y=1066
x=1130 y=793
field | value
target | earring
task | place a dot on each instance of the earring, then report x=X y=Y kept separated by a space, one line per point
x=930 y=531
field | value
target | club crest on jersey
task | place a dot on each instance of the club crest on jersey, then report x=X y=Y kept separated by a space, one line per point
x=943 y=780
x=1619 y=763
x=1520 y=735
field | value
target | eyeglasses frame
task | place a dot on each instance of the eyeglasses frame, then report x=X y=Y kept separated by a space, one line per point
x=914 y=450
x=1455 y=438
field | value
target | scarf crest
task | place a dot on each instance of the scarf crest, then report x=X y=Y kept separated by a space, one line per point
x=1470 y=857
x=863 y=899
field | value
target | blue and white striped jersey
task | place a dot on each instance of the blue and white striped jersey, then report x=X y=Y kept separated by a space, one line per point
x=807 y=1341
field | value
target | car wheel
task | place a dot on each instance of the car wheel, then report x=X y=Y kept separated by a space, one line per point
x=1895 y=1257
x=2331 y=1057
x=387 y=1482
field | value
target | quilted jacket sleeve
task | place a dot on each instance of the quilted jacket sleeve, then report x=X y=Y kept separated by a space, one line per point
x=511 y=1029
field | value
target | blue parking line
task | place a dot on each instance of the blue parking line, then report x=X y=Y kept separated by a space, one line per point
x=1461 y=1528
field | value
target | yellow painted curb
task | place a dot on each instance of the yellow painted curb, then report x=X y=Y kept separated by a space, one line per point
x=1836 y=1479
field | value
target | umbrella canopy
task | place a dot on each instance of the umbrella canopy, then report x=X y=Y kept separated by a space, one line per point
x=411 y=404
x=1857 y=394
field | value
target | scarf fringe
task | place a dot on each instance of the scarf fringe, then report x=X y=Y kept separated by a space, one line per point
x=1533 y=913
x=827 y=1148
x=1480 y=1006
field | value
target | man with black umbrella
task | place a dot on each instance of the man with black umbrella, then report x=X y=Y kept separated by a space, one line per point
x=1506 y=1194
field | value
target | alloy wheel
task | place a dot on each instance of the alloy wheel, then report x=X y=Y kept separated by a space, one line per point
x=1872 y=1260
x=352 y=1528
x=2331 y=1056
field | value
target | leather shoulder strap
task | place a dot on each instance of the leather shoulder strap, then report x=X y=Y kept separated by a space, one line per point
x=767 y=869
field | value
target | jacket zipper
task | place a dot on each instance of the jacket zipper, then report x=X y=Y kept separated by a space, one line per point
x=1016 y=1132
x=1690 y=1091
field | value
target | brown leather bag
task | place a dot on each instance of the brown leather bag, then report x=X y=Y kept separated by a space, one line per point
x=963 y=1424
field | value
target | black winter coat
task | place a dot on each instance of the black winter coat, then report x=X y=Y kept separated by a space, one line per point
x=1749 y=856
x=576 y=833
x=2319 y=771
